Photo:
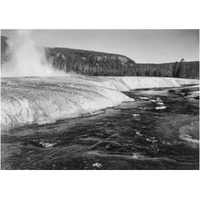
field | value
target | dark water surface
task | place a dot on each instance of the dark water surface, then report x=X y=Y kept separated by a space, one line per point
x=131 y=136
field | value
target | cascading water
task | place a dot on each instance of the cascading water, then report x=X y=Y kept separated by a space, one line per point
x=43 y=100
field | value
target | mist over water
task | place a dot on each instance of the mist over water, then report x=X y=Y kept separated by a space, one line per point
x=27 y=59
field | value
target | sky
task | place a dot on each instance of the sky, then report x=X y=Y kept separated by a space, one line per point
x=142 y=46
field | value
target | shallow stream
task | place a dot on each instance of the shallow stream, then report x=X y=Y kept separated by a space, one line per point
x=144 y=134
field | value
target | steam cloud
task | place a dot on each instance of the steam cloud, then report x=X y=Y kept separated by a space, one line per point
x=26 y=58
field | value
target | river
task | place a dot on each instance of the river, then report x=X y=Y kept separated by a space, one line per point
x=144 y=134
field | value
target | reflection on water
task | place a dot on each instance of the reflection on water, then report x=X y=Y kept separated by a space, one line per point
x=134 y=135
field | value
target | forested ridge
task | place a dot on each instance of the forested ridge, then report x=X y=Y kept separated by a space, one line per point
x=4 y=47
x=105 y=64
x=90 y=62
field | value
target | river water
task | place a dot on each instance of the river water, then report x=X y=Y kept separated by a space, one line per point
x=144 y=134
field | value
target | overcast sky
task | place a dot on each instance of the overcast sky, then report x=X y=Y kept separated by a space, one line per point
x=143 y=46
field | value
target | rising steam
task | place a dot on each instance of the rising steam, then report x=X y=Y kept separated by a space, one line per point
x=26 y=58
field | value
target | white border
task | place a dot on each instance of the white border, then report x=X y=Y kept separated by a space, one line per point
x=104 y=14
x=126 y=14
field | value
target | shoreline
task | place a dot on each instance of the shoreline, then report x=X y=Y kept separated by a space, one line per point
x=40 y=100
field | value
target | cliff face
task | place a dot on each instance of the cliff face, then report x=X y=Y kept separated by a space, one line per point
x=105 y=64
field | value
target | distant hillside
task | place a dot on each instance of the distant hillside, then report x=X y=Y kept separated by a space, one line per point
x=4 y=46
x=106 y=64
x=180 y=69
x=90 y=62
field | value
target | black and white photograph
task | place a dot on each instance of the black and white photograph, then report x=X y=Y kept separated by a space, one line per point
x=100 y=99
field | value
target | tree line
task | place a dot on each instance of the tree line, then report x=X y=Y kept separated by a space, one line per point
x=104 y=64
